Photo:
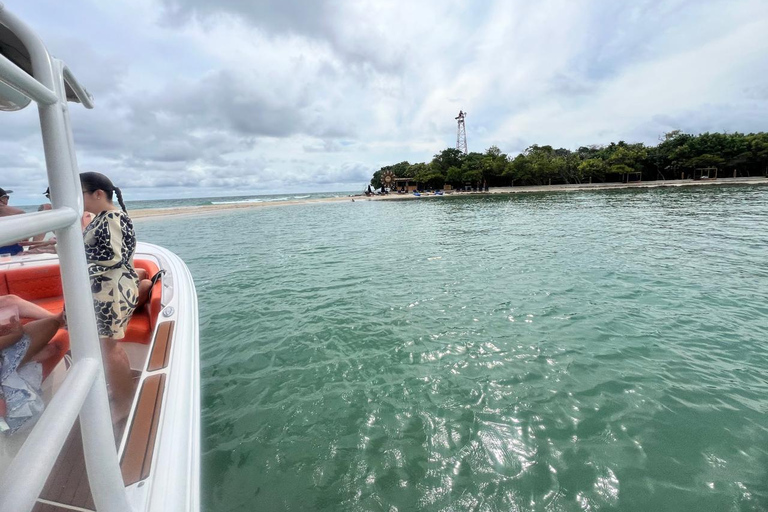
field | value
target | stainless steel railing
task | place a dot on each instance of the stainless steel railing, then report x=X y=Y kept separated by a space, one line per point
x=83 y=392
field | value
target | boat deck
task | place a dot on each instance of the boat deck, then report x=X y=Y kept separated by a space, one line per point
x=67 y=486
x=68 y=482
x=150 y=344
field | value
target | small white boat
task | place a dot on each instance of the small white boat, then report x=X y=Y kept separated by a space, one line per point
x=71 y=458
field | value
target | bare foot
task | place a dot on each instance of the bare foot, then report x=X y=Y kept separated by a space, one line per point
x=62 y=319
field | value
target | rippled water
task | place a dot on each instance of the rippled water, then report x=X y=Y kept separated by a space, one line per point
x=583 y=351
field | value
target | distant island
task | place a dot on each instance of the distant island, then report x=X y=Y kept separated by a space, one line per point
x=677 y=156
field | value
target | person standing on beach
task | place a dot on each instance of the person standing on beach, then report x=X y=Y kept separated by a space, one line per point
x=110 y=243
x=5 y=211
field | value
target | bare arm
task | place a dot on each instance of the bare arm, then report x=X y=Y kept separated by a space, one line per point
x=6 y=210
x=26 y=309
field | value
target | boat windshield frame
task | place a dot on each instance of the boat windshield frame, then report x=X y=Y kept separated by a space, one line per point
x=83 y=394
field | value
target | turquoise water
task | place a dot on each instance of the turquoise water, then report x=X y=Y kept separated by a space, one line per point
x=582 y=351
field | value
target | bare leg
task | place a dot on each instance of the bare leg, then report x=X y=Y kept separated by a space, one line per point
x=46 y=352
x=26 y=309
x=40 y=332
x=119 y=381
x=144 y=286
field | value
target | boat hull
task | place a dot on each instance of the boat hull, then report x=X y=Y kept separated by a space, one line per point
x=159 y=444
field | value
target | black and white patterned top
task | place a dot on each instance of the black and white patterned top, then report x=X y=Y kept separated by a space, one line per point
x=110 y=243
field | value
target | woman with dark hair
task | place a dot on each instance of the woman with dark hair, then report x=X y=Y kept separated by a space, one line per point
x=109 y=246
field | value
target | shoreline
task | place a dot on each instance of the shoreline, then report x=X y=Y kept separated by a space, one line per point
x=585 y=187
x=185 y=211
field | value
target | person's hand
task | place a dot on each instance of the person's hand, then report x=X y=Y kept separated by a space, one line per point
x=10 y=324
x=14 y=330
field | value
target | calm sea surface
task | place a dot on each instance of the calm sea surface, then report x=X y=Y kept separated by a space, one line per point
x=582 y=351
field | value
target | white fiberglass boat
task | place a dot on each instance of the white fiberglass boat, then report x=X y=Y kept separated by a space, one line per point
x=71 y=458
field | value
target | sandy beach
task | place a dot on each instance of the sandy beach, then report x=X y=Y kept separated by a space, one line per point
x=216 y=208
x=153 y=213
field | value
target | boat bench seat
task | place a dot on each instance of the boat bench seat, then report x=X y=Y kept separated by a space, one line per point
x=42 y=285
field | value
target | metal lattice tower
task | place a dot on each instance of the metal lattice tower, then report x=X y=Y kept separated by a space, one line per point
x=461 y=135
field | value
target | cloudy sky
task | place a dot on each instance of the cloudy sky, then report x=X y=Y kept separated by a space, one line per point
x=200 y=98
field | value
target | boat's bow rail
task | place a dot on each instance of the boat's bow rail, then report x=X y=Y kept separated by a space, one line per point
x=158 y=449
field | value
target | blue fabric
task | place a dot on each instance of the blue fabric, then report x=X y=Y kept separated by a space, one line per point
x=11 y=249
x=21 y=386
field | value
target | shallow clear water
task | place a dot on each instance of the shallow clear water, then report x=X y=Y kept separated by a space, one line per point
x=582 y=351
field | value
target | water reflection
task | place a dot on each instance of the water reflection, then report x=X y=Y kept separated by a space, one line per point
x=581 y=351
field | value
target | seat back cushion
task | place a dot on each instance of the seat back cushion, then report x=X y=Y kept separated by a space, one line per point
x=34 y=283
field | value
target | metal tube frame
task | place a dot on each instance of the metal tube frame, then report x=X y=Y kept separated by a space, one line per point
x=104 y=475
x=11 y=230
x=82 y=94
x=17 y=79
x=34 y=462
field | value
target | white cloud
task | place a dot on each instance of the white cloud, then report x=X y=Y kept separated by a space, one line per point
x=196 y=97
x=685 y=89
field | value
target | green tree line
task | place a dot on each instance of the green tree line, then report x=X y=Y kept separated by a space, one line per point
x=677 y=156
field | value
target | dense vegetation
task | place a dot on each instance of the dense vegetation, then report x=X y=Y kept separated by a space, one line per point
x=677 y=156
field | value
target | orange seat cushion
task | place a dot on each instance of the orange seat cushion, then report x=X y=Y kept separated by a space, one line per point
x=139 y=328
x=34 y=283
x=42 y=285
x=51 y=304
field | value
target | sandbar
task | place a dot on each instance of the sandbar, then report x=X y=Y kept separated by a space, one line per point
x=153 y=213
